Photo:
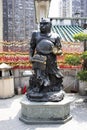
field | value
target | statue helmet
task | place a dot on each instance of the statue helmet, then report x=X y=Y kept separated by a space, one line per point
x=45 y=25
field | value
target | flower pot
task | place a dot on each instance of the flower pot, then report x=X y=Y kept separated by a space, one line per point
x=82 y=87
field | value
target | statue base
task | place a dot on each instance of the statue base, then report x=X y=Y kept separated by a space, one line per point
x=46 y=97
x=45 y=112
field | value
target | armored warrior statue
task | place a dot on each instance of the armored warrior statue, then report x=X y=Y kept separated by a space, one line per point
x=46 y=81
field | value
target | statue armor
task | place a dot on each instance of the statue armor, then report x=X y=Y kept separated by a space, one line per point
x=44 y=47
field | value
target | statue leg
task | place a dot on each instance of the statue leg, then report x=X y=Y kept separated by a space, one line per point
x=56 y=82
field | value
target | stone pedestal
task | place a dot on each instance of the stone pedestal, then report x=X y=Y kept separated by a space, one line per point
x=45 y=112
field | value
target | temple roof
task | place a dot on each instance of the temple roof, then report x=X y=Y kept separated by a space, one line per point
x=66 y=32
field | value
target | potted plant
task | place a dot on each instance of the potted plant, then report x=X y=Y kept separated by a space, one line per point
x=76 y=60
x=82 y=75
x=73 y=60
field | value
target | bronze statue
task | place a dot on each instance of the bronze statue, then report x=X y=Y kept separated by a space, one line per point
x=46 y=81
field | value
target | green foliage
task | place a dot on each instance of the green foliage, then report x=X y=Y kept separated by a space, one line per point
x=73 y=60
x=80 y=36
x=84 y=55
x=82 y=75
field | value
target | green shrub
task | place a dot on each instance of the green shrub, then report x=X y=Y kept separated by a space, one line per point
x=82 y=75
x=73 y=60
x=84 y=55
x=80 y=36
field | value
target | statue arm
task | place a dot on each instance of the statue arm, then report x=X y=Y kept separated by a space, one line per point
x=58 y=42
x=58 y=47
x=32 y=44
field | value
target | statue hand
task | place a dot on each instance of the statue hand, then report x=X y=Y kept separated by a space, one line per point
x=57 y=51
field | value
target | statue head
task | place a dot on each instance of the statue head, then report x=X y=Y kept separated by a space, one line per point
x=45 y=26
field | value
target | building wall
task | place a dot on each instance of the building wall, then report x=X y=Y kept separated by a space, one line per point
x=1 y=26
x=1 y=21
x=19 y=19
x=84 y=8
x=67 y=8
x=79 y=6
x=55 y=9
x=76 y=7
x=42 y=9
x=63 y=8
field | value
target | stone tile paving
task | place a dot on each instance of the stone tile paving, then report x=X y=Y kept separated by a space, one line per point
x=10 y=111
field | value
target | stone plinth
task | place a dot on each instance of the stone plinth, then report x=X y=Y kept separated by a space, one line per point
x=45 y=112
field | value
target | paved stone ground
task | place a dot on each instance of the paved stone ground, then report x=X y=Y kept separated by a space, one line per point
x=10 y=110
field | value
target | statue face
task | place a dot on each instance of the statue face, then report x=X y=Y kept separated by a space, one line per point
x=45 y=26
